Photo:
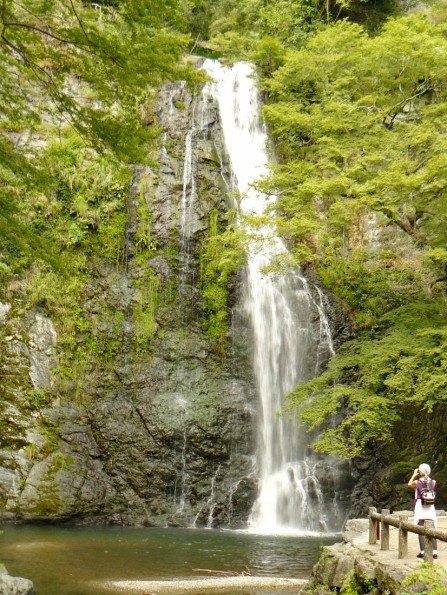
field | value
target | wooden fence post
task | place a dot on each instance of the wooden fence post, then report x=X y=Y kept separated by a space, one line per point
x=372 y=527
x=403 y=537
x=428 y=543
x=385 y=531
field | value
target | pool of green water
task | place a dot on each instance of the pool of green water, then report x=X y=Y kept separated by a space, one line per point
x=77 y=561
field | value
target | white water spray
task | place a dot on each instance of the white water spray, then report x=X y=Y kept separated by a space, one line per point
x=288 y=344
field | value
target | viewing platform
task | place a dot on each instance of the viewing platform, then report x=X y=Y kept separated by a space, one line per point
x=389 y=564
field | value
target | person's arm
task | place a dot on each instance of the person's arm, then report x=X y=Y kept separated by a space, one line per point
x=412 y=483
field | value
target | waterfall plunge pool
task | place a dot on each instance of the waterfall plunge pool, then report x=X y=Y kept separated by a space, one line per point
x=78 y=560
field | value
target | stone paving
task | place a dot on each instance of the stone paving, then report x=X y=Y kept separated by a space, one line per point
x=391 y=556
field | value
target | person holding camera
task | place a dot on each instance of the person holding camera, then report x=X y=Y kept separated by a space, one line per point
x=424 y=507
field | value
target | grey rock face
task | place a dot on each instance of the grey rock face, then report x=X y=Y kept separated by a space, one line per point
x=4 y=309
x=161 y=432
x=42 y=353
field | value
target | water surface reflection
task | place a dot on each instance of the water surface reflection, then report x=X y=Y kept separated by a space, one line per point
x=74 y=561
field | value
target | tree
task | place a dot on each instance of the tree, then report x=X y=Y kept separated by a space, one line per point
x=118 y=54
x=360 y=124
x=93 y=67
x=372 y=383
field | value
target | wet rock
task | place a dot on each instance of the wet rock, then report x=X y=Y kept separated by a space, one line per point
x=4 y=309
x=12 y=585
x=42 y=351
x=157 y=425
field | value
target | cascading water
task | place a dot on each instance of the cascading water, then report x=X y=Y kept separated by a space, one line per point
x=189 y=196
x=188 y=220
x=291 y=333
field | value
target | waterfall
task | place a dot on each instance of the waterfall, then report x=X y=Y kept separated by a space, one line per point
x=184 y=468
x=189 y=196
x=291 y=332
x=211 y=500
x=188 y=218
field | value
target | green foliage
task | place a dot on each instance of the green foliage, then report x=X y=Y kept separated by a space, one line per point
x=372 y=383
x=146 y=308
x=93 y=69
x=350 y=585
x=38 y=398
x=199 y=17
x=89 y=201
x=435 y=577
x=238 y=26
x=358 y=124
x=259 y=26
x=234 y=45
x=52 y=438
x=143 y=240
x=368 y=584
x=223 y=254
x=367 y=287
x=83 y=218
x=289 y=20
x=111 y=54
x=359 y=127
x=268 y=55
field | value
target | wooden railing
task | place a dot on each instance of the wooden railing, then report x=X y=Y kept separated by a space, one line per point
x=401 y=522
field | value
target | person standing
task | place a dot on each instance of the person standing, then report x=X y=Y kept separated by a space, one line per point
x=423 y=512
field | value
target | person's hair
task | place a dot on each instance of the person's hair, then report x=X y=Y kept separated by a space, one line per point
x=424 y=469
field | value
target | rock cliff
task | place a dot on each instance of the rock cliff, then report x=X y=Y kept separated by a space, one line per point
x=158 y=426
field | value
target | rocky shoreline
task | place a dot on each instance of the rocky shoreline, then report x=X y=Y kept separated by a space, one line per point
x=355 y=566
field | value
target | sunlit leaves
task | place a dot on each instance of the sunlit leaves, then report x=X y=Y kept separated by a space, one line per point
x=362 y=110
x=370 y=382
x=90 y=67
x=360 y=126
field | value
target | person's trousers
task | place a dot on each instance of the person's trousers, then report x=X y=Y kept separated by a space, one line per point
x=421 y=540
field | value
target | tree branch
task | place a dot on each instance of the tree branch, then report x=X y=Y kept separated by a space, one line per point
x=88 y=47
x=34 y=67
x=47 y=33
x=393 y=112
x=26 y=9
x=81 y=24
x=47 y=81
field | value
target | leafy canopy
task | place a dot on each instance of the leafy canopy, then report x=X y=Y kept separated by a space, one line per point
x=372 y=382
x=359 y=124
x=92 y=67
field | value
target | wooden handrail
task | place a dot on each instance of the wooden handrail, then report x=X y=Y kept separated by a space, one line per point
x=404 y=526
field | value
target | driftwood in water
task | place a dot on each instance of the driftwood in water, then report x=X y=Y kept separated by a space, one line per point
x=245 y=572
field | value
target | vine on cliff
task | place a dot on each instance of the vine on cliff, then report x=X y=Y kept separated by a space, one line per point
x=222 y=255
